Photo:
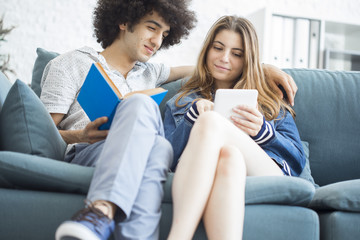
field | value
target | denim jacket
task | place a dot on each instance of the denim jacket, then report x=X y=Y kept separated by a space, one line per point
x=285 y=146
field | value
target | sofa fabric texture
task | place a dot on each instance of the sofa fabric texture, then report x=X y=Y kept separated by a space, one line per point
x=27 y=127
x=43 y=57
x=328 y=116
x=342 y=196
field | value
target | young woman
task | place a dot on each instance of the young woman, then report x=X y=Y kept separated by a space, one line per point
x=214 y=155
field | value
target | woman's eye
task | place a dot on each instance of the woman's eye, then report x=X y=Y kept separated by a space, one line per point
x=217 y=48
x=237 y=54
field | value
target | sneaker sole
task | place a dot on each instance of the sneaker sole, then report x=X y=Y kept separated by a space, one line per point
x=74 y=230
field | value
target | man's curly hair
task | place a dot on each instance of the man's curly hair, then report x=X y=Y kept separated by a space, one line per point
x=108 y=14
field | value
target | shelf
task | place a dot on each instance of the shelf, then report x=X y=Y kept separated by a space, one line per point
x=342 y=60
x=295 y=41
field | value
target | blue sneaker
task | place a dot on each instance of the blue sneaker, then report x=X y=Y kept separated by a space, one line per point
x=88 y=224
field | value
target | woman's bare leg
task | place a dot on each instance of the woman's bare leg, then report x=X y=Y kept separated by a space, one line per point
x=192 y=183
x=224 y=212
x=258 y=163
x=195 y=173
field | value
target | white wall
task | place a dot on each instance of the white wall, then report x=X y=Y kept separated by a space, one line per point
x=63 y=25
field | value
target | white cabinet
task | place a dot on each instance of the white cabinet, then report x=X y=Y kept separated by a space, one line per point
x=298 y=42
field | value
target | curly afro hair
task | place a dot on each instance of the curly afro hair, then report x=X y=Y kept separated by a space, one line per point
x=108 y=14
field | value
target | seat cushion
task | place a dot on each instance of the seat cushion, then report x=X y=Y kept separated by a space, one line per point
x=284 y=190
x=41 y=61
x=27 y=127
x=343 y=196
x=24 y=171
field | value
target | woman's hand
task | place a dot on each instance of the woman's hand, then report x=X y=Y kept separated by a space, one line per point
x=253 y=119
x=204 y=105
x=92 y=134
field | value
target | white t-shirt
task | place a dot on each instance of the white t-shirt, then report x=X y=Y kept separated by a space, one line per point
x=64 y=76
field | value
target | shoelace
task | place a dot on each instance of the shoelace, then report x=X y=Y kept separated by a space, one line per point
x=85 y=215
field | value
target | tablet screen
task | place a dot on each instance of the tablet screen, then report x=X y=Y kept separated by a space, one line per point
x=227 y=99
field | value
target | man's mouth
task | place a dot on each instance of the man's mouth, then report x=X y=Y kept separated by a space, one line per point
x=149 y=50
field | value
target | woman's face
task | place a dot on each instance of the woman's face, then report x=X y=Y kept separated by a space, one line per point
x=225 y=59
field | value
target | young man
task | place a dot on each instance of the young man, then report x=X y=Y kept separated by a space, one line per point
x=131 y=159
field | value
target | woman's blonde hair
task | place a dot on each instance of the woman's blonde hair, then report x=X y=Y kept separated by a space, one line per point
x=252 y=76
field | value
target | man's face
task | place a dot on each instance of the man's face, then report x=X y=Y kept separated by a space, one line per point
x=146 y=37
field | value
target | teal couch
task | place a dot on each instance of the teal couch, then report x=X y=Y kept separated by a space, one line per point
x=38 y=191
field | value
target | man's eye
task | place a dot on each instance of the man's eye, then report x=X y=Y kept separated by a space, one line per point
x=151 y=28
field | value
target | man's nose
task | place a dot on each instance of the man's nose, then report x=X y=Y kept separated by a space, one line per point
x=157 y=41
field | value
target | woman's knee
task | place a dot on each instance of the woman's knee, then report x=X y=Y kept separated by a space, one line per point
x=209 y=123
x=231 y=162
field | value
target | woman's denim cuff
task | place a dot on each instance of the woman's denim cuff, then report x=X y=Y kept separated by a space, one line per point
x=266 y=133
x=192 y=114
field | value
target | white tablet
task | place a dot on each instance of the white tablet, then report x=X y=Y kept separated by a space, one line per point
x=227 y=99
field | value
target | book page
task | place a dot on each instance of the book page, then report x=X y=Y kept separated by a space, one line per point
x=108 y=79
x=148 y=92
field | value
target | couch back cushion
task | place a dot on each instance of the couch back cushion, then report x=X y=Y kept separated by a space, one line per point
x=43 y=58
x=27 y=127
x=328 y=117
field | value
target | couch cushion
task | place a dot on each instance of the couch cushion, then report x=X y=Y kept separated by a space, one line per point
x=343 y=196
x=306 y=173
x=26 y=126
x=269 y=190
x=41 y=61
x=34 y=214
x=24 y=171
x=327 y=116
x=339 y=225
x=5 y=86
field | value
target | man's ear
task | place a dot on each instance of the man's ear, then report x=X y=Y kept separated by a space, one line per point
x=123 y=26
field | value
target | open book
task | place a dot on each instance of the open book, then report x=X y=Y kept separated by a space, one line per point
x=99 y=96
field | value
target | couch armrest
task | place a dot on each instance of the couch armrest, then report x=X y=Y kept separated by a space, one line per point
x=24 y=171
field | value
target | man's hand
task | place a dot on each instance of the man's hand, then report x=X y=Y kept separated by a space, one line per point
x=92 y=134
x=274 y=76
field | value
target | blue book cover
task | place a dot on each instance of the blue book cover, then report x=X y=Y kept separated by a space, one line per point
x=99 y=96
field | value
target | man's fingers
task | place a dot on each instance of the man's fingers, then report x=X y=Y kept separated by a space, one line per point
x=99 y=121
x=276 y=89
x=289 y=89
